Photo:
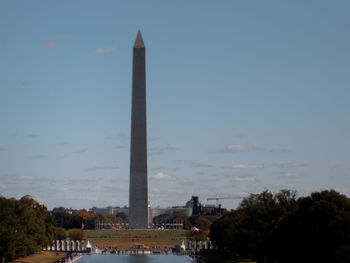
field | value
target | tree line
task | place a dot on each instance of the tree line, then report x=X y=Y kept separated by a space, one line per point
x=280 y=228
x=75 y=219
x=25 y=227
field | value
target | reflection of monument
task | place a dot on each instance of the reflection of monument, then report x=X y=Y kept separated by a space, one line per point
x=138 y=193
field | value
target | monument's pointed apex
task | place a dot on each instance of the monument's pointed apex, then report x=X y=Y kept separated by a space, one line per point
x=139 y=41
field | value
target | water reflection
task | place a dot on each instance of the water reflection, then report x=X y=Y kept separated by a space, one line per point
x=132 y=259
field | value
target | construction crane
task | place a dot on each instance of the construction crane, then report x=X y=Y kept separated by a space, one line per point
x=227 y=197
x=218 y=209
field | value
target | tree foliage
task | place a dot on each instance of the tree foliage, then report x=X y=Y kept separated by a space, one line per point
x=277 y=228
x=203 y=224
x=60 y=233
x=176 y=217
x=25 y=227
x=69 y=220
x=76 y=234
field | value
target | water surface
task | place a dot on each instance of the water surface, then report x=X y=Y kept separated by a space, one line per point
x=133 y=259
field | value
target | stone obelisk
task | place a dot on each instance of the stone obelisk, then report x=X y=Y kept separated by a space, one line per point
x=138 y=192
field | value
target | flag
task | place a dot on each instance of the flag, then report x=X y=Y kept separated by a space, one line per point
x=195 y=229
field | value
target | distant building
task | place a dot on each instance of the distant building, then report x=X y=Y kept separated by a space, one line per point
x=209 y=210
x=109 y=210
x=192 y=207
x=29 y=197
x=170 y=211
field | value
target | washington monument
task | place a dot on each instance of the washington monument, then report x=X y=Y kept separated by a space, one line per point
x=138 y=192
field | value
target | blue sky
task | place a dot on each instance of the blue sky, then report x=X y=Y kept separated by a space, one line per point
x=242 y=96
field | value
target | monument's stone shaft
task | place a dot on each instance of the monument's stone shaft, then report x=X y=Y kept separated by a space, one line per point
x=138 y=193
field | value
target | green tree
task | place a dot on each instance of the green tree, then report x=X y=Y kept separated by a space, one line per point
x=25 y=227
x=318 y=230
x=250 y=230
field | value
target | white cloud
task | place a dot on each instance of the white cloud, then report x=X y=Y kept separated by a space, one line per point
x=26 y=177
x=235 y=148
x=292 y=165
x=3 y=186
x=103 y=50
x=52 y=43
x=49 y=45
x=290 y=174
x=96 y=188
x=160 y=176
x=161 y=149
x=247 y=166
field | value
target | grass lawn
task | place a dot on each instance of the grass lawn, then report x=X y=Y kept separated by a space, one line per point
x=43 y=257
x=125 y=239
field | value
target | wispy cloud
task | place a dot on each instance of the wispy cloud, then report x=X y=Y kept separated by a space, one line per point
x=193 y=163
x=197 y=164
x=290 y=175
x=103 y=50
x=100 y=168
x=246 y=166
x=117 y=136
x=236 y=148
x=83 y=150
x=160 y=176
x=49 y=45
x=244 y=179
x=292 y=165
x=53 y=42
x=161 y=149
x=25 y=177
x=3 y=149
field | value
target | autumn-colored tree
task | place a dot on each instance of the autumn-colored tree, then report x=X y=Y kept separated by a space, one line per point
x=76 y=234
x=60 y=233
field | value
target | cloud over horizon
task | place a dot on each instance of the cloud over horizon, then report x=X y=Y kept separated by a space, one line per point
x=292 y=165
x=246 y=166
x=104 y=50
x=236 y=148
x=161 y=149
x=160 y=176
